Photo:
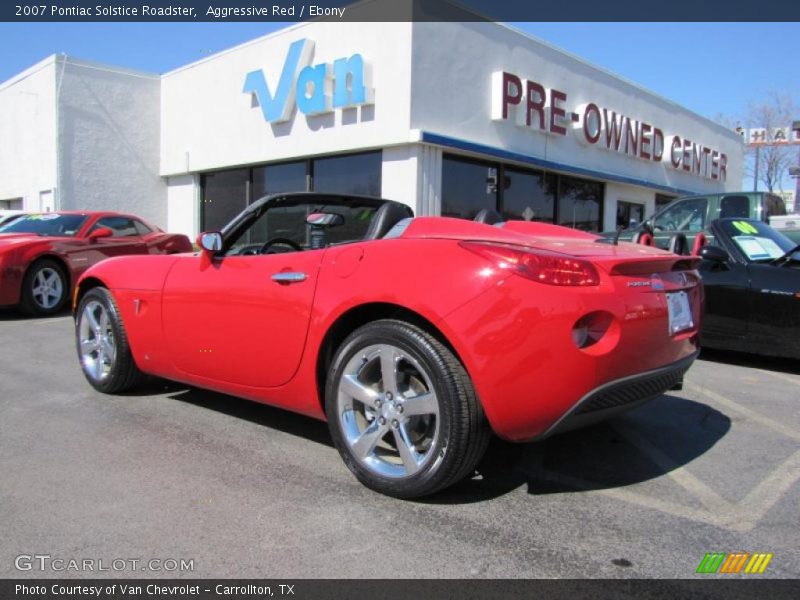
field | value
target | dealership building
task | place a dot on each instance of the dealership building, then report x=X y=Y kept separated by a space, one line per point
x=448 y=117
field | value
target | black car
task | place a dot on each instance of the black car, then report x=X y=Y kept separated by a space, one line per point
x=751 y=274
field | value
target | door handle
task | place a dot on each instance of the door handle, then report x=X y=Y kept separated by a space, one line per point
x=289 y=277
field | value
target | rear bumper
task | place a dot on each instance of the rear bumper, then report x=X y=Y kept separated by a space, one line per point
x=621 y=395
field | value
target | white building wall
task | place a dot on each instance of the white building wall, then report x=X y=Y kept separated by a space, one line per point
x=617 y=192
x=108 y=139
x=210 y=123
x=27 y=136
x=183 y=204
x=452 y=96
x=413 y=174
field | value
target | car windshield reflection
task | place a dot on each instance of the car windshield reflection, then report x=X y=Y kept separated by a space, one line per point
x=46 y=224
x=757 y=241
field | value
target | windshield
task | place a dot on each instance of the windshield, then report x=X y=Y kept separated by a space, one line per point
x=288 y=224
x=756 y=240
x=46 y=224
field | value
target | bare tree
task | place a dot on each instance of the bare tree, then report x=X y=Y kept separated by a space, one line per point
x=775 y=111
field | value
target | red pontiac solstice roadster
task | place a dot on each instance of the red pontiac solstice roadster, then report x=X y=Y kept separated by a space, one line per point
x=413 y=337
x=43 y=254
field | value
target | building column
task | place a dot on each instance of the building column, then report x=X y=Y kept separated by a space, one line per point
x=412 y=174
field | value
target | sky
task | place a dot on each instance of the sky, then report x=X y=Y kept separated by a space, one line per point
x=711 y=68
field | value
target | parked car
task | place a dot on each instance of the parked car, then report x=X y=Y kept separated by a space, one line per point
x=682 y=225
x=8 y=215
x=751 y=275
x=413 y=337
x=43 y=254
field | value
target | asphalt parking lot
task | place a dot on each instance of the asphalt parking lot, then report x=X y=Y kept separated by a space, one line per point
x=245 y=490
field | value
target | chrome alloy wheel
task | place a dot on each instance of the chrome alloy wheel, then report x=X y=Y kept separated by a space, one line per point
x=97 y=345
x=48 y=288
x=388 y=411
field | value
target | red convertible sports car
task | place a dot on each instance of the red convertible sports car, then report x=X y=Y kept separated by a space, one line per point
x=42 y=255
x=414 y=338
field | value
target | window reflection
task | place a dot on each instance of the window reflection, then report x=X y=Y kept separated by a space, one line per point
x=467 y=187
x=580 y=203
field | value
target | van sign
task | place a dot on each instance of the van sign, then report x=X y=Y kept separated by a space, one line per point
x=312 y=89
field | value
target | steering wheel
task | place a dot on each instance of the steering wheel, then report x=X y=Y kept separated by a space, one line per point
x=275 y=241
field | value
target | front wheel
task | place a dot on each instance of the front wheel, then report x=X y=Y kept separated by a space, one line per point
x=44 y=289
x=402 y=410
x=103 y=349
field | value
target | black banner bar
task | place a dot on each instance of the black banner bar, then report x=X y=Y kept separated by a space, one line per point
x=710 y=587
x=397 y=10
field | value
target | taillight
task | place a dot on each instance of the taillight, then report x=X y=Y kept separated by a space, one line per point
x=537 y=265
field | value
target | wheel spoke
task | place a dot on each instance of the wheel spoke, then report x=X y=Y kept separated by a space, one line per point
x=88 y=346
x=103 y=321
x=98 y=366
x=423 y=404
x=389 y=369
x=368 y=439
x=40 y=279
x=92 y=319
x=408 y=455
x=109 y=349
x=351 y=386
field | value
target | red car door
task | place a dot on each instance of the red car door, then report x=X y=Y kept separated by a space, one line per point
x=240 y=319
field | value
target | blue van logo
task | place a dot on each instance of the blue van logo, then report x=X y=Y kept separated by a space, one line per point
x=308 y=87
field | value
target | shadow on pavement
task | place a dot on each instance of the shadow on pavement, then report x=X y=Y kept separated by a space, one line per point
x=612 y=454
x=13 y=314
x=754 y=361
x=255 y=412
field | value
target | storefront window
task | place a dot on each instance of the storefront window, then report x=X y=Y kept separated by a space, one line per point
x=529 y=195
x=580 y=203
x=467 y=187
x=662 y=200
x=629 y=214
x=276 y=179
x=352 y=174
x=224 y=197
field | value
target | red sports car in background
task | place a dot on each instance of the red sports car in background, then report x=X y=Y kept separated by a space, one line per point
x=42 y=255
x=414 y=337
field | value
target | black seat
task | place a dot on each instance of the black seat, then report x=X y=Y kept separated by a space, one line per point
x=488 y=217
x=678 y=244
x=387 y=217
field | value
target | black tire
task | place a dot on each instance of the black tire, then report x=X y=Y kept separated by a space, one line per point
x=449 y=439
x=32 y=301
x=107 y=374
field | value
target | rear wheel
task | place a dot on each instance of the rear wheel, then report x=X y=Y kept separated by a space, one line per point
x=402 y=411
x=44 y=289
x=103 y=348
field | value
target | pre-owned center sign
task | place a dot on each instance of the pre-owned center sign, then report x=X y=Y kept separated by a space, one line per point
x=531 y=105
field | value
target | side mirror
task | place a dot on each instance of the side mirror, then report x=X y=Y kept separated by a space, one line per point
x=320 y=219
x=210 y=241
x=100 y=232
x=714 y=254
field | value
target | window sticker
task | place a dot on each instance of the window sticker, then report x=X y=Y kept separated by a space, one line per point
x=745 y=227
x=758 y=248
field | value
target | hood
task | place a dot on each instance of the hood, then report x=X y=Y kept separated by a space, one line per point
x=12 y=240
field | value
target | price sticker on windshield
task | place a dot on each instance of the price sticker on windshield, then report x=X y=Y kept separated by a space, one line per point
x=680 y=313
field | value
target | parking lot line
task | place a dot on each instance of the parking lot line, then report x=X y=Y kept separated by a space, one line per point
x=744 y=411
x=781 y=376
